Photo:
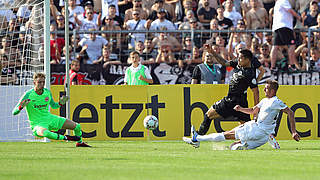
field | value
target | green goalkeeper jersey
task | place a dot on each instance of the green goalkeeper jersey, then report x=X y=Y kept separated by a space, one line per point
x=38 y=108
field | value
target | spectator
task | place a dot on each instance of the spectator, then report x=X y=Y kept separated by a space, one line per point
x=283 y=33
x=106 y=4
x=209 y=72
x=77 y=78
x=53 y=12
x=56 y=45
x=118 y=20
x=64 y=53
x=212 y=37
x=88 y=22
x=314 y=59
x=137 y=8
x=165 y=55
x=206 y=13
x=220 y=42
x=105 y=60
x=8 y=73
x=302 y=57
x=311 y=17
x=255 y=47
x=264 y=56
x=257 y=17
x=61 y=26
x=93 y=46
x=268 y=38
x=185 y=25
x=161 y=21
x=144 y=58
x=168 y=10
x=135 y=24
x=166 y=40
x=234 y=41
x=76 y=50
x=212 y=3
x=186 y=53
x=317 y=26
x=230 y=13
x=110 y=25
x=197 y=36
x=196 y=55
x=223 y=22
x=186 y=6
x=268 y=4
x=148 y=54
x=137 y=74
x=73 y=9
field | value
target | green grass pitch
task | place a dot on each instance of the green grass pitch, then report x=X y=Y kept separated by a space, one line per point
x=158 y=160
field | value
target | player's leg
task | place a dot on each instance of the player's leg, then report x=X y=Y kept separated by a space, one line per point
x=208 y=117
x=68 y=124
x=44 y=132
x=292 y=58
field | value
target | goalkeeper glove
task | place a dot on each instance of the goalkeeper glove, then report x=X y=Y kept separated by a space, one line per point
x=24 y=103
x=63 y=100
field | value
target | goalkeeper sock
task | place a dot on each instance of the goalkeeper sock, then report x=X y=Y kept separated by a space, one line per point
x=205 y=125
x=52 y=135
x=212 y=137
x=77 y=131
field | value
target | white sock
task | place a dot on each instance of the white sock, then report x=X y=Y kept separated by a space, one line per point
x=212 y=137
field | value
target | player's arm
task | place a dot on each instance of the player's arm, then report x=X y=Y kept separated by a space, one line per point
x=253 y=110
x=292 y=121
x=56 y=105
x=23 y=102
x=255 y=92
x=261 y=73
x=296 y=15
x=220 y=59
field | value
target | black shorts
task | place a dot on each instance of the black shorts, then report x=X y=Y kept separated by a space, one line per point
x=283 y=36
x=225 y=106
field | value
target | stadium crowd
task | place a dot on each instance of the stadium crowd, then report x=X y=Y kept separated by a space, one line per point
x=103 y=42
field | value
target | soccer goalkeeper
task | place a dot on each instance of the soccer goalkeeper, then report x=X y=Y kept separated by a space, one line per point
x=37 y=101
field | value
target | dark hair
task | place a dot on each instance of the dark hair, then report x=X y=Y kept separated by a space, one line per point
x=273 y=84
x=111 y=5
x=247 y=54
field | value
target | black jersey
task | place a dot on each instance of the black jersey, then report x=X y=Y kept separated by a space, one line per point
x=242 y=78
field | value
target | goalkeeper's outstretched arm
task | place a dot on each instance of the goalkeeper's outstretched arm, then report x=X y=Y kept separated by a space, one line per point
x=24 y=100
x=61 y=102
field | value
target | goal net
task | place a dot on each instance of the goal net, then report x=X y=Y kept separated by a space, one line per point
x=21 y=55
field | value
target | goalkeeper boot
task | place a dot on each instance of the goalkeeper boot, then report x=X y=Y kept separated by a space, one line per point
x=72 y=138
x=82 y=144
x=273 y=142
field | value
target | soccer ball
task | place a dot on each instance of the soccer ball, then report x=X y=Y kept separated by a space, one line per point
x=150 y=122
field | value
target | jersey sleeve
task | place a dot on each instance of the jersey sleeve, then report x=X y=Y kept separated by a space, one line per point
x=16 y=109
x=259 y=105
x=196 y=74
x=233 y=63
x=52 y=103
x=278 y=104
x=255 y=63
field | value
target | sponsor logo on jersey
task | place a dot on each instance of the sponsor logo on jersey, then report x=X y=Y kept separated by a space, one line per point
x=46 y=99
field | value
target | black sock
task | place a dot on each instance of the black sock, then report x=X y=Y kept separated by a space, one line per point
x=205 y=125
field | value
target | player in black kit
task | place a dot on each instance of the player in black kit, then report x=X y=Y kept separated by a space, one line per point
x=242 y=78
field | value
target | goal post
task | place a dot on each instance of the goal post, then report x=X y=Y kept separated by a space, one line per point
x=25 y=50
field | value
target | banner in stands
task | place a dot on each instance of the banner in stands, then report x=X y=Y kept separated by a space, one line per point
x=117 y=112
x=170 y=74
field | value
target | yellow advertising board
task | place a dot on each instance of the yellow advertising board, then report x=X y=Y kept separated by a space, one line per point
x=117 y=112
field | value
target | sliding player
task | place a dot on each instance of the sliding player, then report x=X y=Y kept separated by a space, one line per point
x=37 y=101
